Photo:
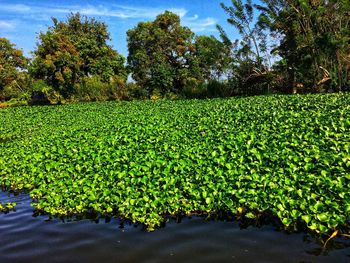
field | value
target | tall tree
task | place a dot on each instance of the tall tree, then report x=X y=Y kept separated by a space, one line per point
x=250 y=55
x=72 y=50
x=12 y=63
x=161 y=54
x=241 y=16
x=315 y=37
x=213 y=57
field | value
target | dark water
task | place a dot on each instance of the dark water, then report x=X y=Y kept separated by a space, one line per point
x=24 y=238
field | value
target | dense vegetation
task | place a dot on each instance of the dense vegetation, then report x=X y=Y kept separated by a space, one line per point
x=287 y=156
x=12 y=64
x=71 y=53
x=6 y=207
x=286 y=46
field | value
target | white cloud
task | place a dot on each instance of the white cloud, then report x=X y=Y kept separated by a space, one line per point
x=146 y=12
x=193 y=18
x=7 y=25
x=200 y=25
x=44 y=12
x=16 y=8
x=118 y=11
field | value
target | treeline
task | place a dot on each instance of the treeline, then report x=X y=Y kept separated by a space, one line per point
x=286 y=46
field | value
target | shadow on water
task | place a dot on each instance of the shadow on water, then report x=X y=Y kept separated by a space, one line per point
x=29 y=238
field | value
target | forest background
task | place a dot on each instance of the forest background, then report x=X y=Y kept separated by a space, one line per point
x=282 y=46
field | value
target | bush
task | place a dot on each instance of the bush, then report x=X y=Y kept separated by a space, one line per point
x=91 y=89
x=19 y=88
x=118 y=89
x=94 y=89
x=135 y=91
x=194 y=89
x=10 y=92
x=156 y=94
x=218 y=89
x=43 y=94
x=16 y=102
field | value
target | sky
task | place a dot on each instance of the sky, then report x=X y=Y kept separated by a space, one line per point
x=21 y=21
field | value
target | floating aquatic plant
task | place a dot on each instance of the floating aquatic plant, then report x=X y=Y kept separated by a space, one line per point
x=288 y=156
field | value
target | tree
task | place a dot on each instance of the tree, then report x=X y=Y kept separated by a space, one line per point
x=250 y=67
x=213 y=57
x=241 y=16
x=12 y=63
x=161 y=54
x=71 y=51
x=314 y=41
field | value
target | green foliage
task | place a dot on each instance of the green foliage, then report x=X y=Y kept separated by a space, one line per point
x=241 y=16
x=314 y=41
x=7 y=207
x=194 y=89
x=12 y=66
x=284 y=155
x=213 y=57
x=161 y=54
x=135 y=91
x=218 y=89
x=43 y=94
x=285 y=46
x=250 y=64
x=308 y=41
x=14 y=102
x=71 y=51
x=250 y=78
x=13 y=92
x=94 y=89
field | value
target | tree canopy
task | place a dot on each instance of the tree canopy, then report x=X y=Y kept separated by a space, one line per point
x=69 y=51
x=213 y=57
x=284 y=46
x=12 y=62
x=161 y=54
x=314 y=40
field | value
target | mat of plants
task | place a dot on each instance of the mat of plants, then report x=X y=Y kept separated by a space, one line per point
x=283 y=156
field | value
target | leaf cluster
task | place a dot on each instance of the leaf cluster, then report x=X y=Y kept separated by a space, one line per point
x=12 y=62
x=69 y=51
x=287 y=156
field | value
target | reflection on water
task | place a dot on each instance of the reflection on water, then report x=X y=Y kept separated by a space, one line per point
x=25 y=238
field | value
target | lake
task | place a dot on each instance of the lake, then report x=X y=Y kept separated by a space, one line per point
x=29 y=238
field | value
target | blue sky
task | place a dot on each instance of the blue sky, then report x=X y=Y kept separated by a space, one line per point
x=20 y=21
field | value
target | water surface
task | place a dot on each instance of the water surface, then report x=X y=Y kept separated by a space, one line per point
x=25 y=238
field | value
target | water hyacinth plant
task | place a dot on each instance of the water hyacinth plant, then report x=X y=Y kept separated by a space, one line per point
x=288 y=156
x=6 y=207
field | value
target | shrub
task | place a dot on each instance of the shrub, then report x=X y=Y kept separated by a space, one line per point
x=218 y=89
x=43 y=94
x=194 y=89
x=19 y=88
x=135 y=91
x=91 y=89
